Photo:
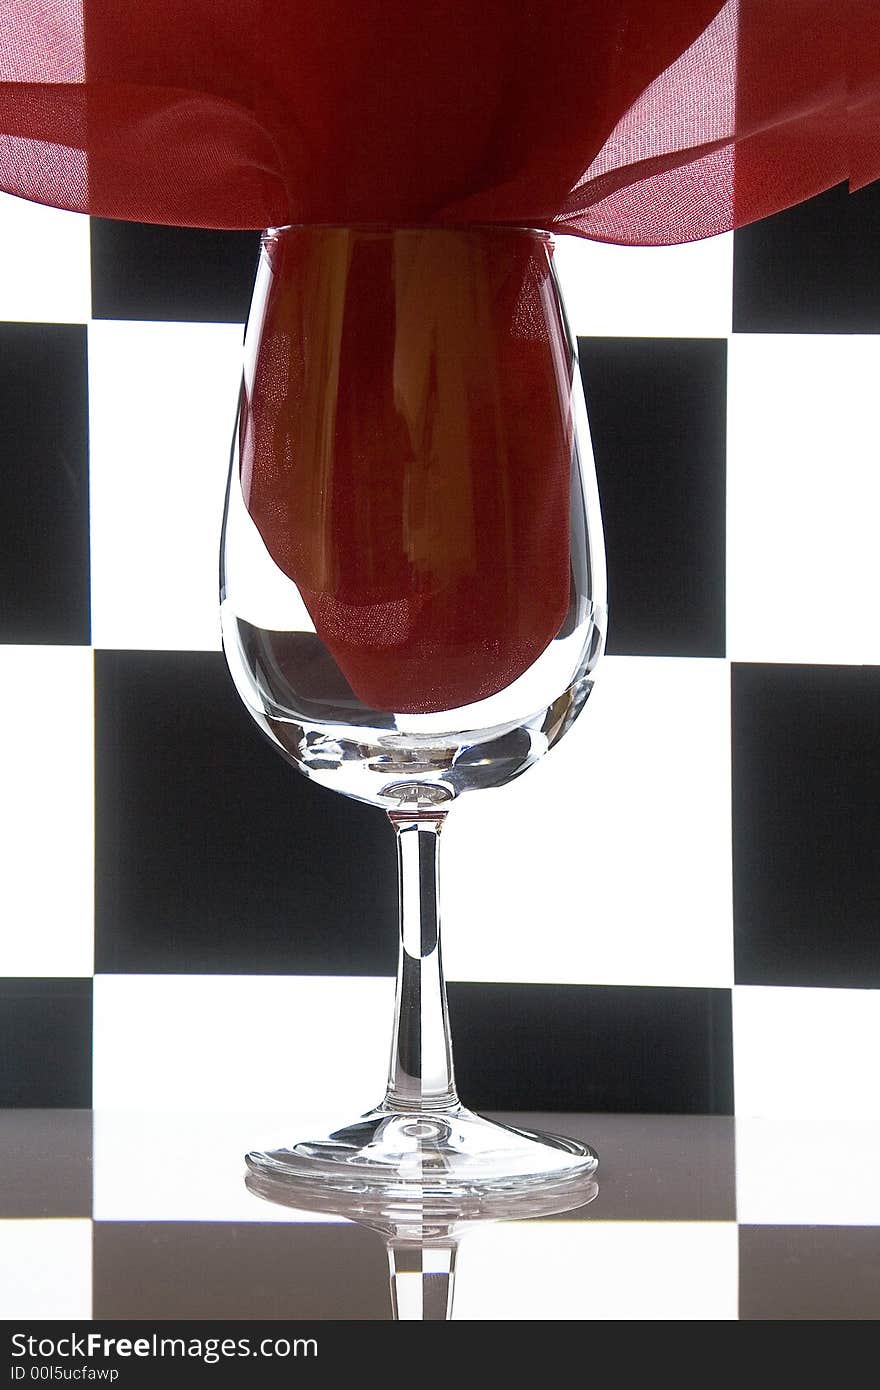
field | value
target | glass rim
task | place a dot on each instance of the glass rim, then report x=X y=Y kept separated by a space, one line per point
x=540 y=233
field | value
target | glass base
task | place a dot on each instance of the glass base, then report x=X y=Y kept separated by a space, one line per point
x=452 y=1156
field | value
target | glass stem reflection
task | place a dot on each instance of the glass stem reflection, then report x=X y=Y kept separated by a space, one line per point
x=420 y=1076
x=422 y=1278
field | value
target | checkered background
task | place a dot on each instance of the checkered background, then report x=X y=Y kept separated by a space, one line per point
x=675 y=913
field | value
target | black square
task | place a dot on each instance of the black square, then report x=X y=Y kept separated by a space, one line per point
x=46 y=1163
x=212 y=853
x=814 y=268
x=651 y=1167
x=657 y=410
x=46 y=1043
x=809 y=1273
x=234 y=1270
x=806 y=824
x=628 y=1049
x=173 y=274
x=44 y=483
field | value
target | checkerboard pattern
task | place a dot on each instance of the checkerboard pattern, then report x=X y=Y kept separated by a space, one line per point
x=122 y=1215
x=675 y=913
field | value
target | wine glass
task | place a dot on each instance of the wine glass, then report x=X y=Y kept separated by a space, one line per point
x=413 y=604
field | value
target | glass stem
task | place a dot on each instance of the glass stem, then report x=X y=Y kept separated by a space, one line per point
x=420 y=1076
x=422 y=1279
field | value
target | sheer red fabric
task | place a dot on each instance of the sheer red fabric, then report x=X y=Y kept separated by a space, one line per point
x=635 y=121
x=632 y=121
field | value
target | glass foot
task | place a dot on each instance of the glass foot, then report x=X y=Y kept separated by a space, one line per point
x=422 y=1221
x=423 y=1155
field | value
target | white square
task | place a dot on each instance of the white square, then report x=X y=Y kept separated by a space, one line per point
x=803 y=494
x=45 y=1270
x=598 y=1271
x=45 y=265
x=47 y=811
x=806 y=1052
x=150 y=1166
x=647 y=291
x=609 y=862
x=193 y=1071
x=162 y=400
x=245 y=1044
x=815 y=1169
x=807 y=1104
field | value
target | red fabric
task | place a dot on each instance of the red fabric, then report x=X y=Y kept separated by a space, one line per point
x=636 y=121
x=405 y=443
x=632 y=121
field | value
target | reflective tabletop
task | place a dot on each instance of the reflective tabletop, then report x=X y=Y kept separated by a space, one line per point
x=128 y=1215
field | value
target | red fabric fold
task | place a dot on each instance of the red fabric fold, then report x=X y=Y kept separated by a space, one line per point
x=624 y=120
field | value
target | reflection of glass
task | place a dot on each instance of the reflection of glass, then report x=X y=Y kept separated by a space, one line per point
x=413 y=601
x=422 y=1238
